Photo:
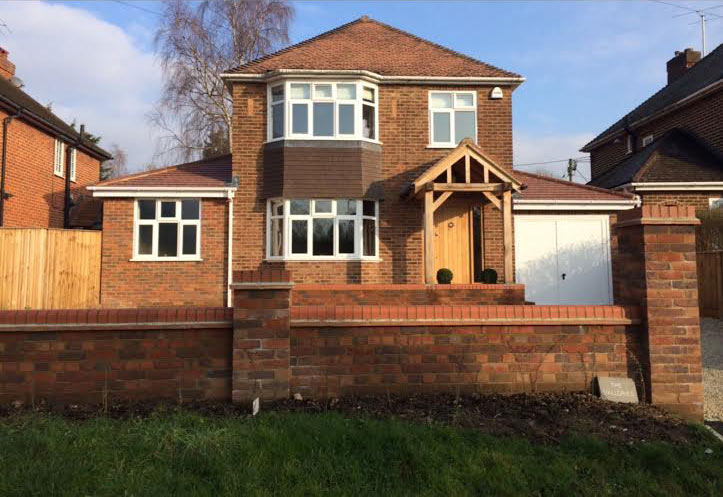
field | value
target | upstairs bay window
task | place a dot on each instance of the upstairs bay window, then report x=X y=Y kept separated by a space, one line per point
x=452 y=117
x=322 y=229
x=323 y=110
x=167 y=230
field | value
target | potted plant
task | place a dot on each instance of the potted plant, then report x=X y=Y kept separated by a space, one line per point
x=444 y=276
x=489 y=276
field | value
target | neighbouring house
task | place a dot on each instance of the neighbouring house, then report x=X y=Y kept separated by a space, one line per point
x=46 y=163
x=669 y=149
x=365 y=155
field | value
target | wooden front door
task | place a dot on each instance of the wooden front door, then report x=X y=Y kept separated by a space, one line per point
x=453 y=239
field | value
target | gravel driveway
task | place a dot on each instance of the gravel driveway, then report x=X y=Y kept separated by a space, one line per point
x=712 y=344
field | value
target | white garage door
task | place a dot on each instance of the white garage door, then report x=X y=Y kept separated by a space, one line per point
x=564 y=259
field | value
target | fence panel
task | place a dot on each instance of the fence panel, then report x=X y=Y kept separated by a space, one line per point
x=710 y=283
x=49 y=268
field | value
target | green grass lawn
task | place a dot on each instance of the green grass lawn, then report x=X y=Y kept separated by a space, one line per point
x=328 y=454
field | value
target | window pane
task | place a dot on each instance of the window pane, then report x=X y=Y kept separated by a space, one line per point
x=441 y=100
x=168 y=209
x=277 y=121
x=464 y=100
x=441 y=132
x=322 y=206
x=346 y=119
x=368 y=94
x=277 y=93
x=323 y=119
x=299 y=206
x=277 y=207
x=190 y=232
x=167 y=239
x=277 y=237
x=299 y=240
x=145 y=239
x=323 y=237
x=368 y=121
x=346 y=207
x=346 y=236
x=369 y=209
x=189 y=209
x=300 y=118
x=147 y=209
x=370 y=240
x=322 y=91
x=346 y=92
x=300 y=91
x=463 y=125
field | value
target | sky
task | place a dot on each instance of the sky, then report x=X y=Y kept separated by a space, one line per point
x=587 y=63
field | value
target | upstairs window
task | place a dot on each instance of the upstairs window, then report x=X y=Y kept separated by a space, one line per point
x=59 y=160
x=167 y=230
x=323 y=111
x=452 y=117
x=71 y=168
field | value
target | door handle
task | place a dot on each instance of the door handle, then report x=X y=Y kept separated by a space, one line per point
x=563 y=275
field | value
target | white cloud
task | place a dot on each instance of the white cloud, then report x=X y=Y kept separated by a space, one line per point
x=91 y=70
x=534 y=149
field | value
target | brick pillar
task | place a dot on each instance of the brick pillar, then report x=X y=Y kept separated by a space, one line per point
x=261 y=307
x=658 y=272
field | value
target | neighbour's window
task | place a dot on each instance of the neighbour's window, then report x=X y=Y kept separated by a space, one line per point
x=647 y=140
x=322 y=229
x=323 y=110
x=59 y=160
x=167 y=229
x=73 y=159
x=452 y=117
x=715 y=203
x=630 y=144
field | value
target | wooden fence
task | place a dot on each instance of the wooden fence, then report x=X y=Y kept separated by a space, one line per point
x=49 y=268
x=710 y=284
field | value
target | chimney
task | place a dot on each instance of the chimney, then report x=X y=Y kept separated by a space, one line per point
x=7 y=68
x=682 y=62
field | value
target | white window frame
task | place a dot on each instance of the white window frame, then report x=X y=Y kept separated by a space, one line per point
x=358 y=218
x=73 y=164
x=629 y=141
x=647 y=140
x=59 y=158
x=288 y=102
x=451 y=111
x=714 y=200
x=153 y=256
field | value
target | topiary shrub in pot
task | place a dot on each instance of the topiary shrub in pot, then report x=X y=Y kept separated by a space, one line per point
x=489 y=276
x=444 y=276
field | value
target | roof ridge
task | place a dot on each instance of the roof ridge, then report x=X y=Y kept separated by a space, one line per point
x=576 y=185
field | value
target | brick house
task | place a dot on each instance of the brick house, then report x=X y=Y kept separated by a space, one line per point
x=669 y=149
x=365 y=155
x=46 y=163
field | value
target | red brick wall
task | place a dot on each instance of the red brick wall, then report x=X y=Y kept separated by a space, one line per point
x=403 y=126
x=82 y=356
x=701 y=118
x=697 y=200
x=37 y=194
x=476 y=294
x=126 y=283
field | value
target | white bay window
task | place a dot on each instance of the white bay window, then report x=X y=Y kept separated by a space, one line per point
x=305 y=229
x=167 y=229
x=452 y=117
x=323 y=110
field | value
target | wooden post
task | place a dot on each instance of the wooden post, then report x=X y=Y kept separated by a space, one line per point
x=507 y=230
x=429 y=237
x=467 y=171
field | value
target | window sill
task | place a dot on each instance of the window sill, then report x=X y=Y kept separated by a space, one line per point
x=323 y=138
x=441 y=146
x=165 y=259
x=58 y=175
x=321 y=259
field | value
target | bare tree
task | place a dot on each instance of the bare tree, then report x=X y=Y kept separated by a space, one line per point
x=196 y=42
x=115 y=167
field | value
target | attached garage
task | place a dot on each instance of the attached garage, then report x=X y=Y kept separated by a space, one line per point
x=562 y=241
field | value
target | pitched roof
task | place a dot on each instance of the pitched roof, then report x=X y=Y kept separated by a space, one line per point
x=17 y=97
x=703 y=74
x=367 y=44
x=676 y=156
x=213 y=172
x=546 y=188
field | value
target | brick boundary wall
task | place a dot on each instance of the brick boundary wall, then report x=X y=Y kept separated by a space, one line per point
x=92 y=356
x=472 y=294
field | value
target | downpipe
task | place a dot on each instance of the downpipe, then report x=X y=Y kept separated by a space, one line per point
x=3 y=195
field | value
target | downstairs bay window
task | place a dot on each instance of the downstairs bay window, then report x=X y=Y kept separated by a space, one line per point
x=167 y=229
x=322 y=229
